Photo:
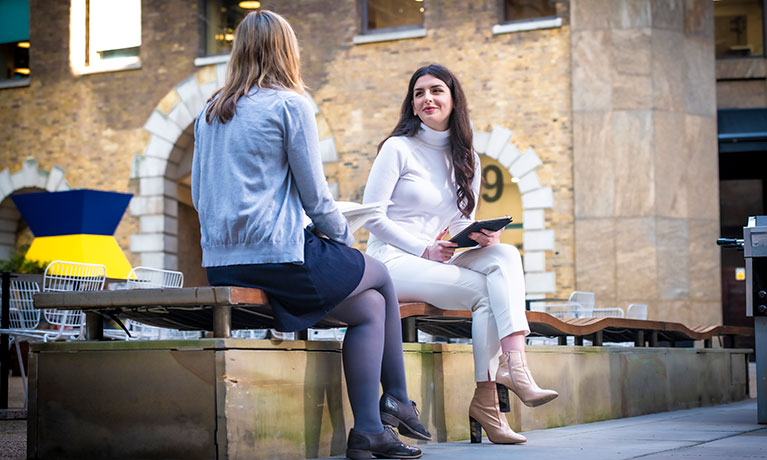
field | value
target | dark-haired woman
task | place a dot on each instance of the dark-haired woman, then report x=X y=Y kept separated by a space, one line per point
x=430 y=172
x=256 y=170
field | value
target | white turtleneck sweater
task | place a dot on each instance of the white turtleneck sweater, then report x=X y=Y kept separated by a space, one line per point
x=416 y=174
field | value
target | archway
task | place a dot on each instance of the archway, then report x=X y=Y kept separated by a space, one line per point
x=169 y=230
x=535 y=198
x=29 y=179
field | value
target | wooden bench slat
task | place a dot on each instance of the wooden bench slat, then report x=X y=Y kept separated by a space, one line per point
x=164 y=307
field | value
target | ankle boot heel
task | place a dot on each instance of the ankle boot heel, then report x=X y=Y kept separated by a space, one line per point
x=476 y=430
x=503 y=398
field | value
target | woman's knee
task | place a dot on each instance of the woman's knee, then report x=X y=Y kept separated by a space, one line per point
x=370 y=307
x=377 y=269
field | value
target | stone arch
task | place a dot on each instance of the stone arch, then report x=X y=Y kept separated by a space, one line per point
x=535 y=200
x=163 y=170
x=29 y=178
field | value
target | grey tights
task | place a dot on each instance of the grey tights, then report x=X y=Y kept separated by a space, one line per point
x=372 y=352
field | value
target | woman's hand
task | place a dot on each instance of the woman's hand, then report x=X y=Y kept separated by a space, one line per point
x=486 y=237
x=440 y=251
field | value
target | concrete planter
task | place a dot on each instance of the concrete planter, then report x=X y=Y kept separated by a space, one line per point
x=232 y=399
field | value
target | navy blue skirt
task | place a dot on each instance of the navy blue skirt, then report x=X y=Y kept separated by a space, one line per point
x=300 y=294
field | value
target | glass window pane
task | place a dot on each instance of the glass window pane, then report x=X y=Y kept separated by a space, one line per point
x=220 y=18
x=517 y=10
x=14 y=39
x=385 y=14
x=738 y=28
x=115 y=25
x=15 y=60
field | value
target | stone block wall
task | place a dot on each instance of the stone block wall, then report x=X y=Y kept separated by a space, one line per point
x=645 y=155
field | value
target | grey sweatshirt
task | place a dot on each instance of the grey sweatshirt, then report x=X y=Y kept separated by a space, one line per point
x=254 y=176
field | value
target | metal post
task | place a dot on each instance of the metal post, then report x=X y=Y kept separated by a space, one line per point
x=653 y=338
x=579 y=340
x=94 y=326
x=409 y=331
x=562 y=340
x=598 y=339
x=760 y=332
x=5 y=351
x=222 y=321
x=639 y=339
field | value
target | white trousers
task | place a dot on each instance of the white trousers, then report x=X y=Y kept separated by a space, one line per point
x=488 y=281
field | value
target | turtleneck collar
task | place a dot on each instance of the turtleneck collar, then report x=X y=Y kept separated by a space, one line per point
x=433 y=137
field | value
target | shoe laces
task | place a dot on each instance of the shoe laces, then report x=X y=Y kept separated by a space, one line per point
x=392 y=434
x=415 y=409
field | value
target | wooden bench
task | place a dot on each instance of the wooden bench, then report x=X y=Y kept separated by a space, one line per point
x=221 y=309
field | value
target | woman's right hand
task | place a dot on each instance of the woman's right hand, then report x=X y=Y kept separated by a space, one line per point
x=440 y=251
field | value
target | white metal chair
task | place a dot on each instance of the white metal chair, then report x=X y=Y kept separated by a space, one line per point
x=616 y=312
x=24 y=321
x=636 y=311
x=154 y=278
x=63 y=276
x=151 y=278
x=257 y=334
x=579 y=305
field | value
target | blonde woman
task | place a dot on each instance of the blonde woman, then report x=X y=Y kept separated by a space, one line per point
x=256 y=170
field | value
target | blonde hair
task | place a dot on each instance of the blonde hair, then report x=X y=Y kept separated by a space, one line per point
x=264 y=54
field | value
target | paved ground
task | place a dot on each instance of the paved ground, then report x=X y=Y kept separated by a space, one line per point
x=726 y=432
x=722 y=432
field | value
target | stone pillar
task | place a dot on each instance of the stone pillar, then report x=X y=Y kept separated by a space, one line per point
x=645 y=156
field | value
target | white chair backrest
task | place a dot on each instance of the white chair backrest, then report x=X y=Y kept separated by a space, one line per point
x=637 y=311
x=583 y=298
x=61 y=276
x=581 y=304
x=24 y=315
x=154 y=278
x=607 y=313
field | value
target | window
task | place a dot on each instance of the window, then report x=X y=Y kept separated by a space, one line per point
x=218 y=19
x=14 y=42
x=391 y=15
x=525 y=10
x=739 y=27
x=105 y=35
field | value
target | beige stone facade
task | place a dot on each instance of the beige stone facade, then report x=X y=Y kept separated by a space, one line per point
x=612 y=110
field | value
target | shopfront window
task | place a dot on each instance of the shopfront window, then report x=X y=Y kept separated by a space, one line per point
x=525 y=10
x=391 y=15
x=218 y=19
x=739 y=27
x=14 y=42
x=104 y=35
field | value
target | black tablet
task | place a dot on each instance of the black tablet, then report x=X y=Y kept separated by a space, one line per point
x=463 y=239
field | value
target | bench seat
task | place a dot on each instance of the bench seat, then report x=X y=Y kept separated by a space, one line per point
x=223 y=308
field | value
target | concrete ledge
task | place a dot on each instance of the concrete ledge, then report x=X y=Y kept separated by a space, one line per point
x=235 y=398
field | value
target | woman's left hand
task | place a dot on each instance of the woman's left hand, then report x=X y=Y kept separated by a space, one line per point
x=486 y=237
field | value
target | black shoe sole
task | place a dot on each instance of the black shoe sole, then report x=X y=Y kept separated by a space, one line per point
x=403 y=428
x=357 y=454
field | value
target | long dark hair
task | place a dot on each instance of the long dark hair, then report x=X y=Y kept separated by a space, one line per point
x=264 y=54
x=461 y=149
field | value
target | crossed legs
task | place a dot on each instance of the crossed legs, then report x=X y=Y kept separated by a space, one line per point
x=488 y=281
x=372 y=351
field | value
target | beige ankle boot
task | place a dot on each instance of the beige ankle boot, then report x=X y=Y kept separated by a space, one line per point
x=484 y=413
x=514 y=375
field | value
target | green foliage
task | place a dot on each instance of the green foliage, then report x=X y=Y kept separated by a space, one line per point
x=18 y=263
